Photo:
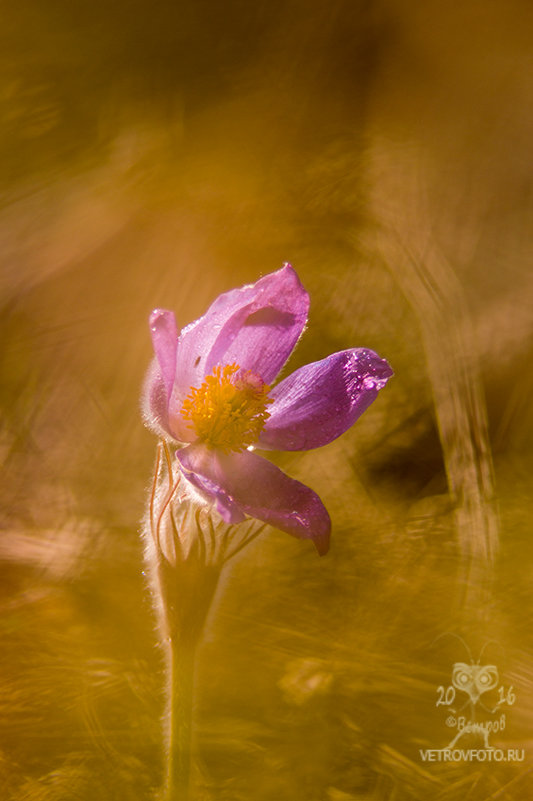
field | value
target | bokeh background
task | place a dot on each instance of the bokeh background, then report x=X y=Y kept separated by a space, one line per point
x=156 y=154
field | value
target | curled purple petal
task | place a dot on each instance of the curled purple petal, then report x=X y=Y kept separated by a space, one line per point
x=154 y=401
x=256 y=327
x=164 y=333
x=320 y=401
x=159 y=403
x=244 y=483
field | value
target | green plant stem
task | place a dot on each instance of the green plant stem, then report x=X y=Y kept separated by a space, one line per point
x=182 y=659
x=187 y=591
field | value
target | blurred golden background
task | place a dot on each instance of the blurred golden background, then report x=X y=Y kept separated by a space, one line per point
x=156 y=154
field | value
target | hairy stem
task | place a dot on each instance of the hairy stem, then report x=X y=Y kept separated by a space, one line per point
x=187 y=590
x=180 y=721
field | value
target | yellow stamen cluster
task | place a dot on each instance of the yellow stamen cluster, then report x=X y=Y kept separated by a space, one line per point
x=228 y=411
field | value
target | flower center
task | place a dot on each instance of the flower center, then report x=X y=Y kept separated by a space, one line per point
x=228 y=411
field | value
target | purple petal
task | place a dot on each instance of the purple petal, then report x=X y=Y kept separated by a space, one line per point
x=244 y=483
x=154 y=401
x=165 y=341
x=158 y=397
x=256 y=326
x=320 y=401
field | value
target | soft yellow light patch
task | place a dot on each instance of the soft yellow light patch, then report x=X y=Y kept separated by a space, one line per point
x=228 y=411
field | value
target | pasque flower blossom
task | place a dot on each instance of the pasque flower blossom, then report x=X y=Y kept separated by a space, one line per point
x=210 y=392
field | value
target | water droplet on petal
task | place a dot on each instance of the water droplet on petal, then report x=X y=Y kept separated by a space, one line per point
x=372 y=382
x=298 y=518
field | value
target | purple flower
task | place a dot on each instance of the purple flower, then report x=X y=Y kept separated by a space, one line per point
x=209 y=389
